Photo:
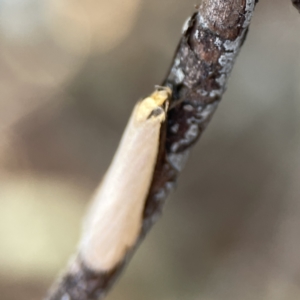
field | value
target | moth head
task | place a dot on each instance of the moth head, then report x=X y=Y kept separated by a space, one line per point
x=154 y=107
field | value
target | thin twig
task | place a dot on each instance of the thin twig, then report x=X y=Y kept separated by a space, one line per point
x=296 y=4
x=211 y=40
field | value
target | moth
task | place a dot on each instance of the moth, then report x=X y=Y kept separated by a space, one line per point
x=115 y=217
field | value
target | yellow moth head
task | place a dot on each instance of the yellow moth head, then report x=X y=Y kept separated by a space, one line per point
x=155 y=106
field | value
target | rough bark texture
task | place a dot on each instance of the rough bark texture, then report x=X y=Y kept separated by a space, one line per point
x=211 y=40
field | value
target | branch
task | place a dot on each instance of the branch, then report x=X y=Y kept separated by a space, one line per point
x=296 y=4
x=210 y=42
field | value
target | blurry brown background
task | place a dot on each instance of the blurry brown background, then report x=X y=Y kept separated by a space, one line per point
x=70 y=73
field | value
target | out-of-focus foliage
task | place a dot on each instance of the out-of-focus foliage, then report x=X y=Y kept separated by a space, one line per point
x=70 y=72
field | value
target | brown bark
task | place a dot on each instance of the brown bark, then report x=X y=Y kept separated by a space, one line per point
x=210 y=42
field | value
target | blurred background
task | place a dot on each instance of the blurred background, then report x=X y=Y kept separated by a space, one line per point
x=70 y=73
